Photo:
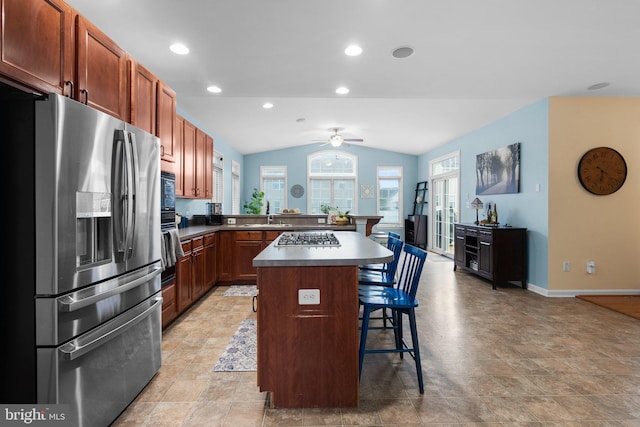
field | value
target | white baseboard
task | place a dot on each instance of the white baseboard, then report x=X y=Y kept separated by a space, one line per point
x=571 y=293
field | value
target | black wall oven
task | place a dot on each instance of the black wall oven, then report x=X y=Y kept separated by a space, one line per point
x=167 y=216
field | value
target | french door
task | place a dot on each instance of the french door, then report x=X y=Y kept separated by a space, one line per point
x=445 y=212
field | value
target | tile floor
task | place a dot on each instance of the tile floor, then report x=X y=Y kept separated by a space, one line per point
x=490 y=357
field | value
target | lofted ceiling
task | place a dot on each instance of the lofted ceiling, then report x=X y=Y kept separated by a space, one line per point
x=474 y=62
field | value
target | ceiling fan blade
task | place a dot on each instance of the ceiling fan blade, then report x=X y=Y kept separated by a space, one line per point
x=354 y=139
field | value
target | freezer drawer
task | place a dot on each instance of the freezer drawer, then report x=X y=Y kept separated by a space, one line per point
x=99 y=373
x=61 y=318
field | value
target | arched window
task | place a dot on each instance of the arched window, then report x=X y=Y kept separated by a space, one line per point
x=332 y=181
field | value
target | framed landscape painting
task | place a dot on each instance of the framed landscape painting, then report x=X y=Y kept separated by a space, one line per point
x=498 y=171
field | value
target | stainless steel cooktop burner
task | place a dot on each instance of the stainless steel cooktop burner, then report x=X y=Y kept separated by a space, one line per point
x=308 y=239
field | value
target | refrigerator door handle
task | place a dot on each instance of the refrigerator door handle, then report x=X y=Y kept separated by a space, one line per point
x=119 y=194
x=71 y=351
x=133 y=189
x=129 y=195
x=68 y=303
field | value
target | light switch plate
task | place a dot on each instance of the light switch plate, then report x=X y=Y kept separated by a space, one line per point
x=308 y=296
x=322 y=220
x=231 y=221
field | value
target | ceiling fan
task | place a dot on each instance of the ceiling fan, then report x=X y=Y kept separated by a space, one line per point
x=337 y=140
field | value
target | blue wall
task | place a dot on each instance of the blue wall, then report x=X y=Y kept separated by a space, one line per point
x=295 y=159
x=529 y=207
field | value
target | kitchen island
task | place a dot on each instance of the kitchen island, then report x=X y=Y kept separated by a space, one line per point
x=308 y=317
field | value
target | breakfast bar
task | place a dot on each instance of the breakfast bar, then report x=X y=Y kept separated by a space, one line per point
x=308 y=317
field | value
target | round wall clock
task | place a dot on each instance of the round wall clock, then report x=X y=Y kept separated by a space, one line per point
x=602 y=171
x=297 y=191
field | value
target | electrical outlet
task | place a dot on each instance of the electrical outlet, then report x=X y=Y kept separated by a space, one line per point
x=308 y=296
x=322 y=220
x=231 y=221
x=566 y=266
x=591 y=267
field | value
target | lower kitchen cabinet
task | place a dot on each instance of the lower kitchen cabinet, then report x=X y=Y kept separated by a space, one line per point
x=169 y=304
x=184 y=277
x=197 y=268
x=248 y=244
x=210 y=268
x=224 y=256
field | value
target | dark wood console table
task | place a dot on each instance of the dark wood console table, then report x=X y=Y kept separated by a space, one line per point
x=495 y=253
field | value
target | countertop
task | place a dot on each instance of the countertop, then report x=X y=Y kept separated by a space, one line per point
x=354 y=249
x=198 y=230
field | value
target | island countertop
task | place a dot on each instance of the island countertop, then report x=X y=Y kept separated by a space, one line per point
x=354 y=249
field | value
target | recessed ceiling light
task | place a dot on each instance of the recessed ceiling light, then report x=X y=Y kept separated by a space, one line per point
x=214 y=89
x=267 y=105
x=342 y=90
x=598 y=86
x=353 y=50
x=179 y=49
x=402 y=52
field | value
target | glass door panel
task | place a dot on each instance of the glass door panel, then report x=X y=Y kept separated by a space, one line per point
x=444 y=213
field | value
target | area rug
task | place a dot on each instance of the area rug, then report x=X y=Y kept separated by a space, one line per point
x=241 y=291
x=241 y=352
x=625 y=304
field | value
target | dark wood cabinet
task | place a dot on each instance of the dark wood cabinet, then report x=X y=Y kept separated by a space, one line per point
x=178 y=142
x=415 y=230
x=224 y=256
x=101 y=71
x=36 y=44
x=184 y=277
x=248 y=244
x=197 y=268
x=142 y=95
x=210 y=268
x=308 y=354
x=169 y=303
x=208 y=167
x=495 y=253
x=165 y=123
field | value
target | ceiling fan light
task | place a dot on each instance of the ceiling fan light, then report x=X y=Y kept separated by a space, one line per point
x=335 y=140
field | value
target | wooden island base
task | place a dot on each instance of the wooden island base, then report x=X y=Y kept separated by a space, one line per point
x=308 y=354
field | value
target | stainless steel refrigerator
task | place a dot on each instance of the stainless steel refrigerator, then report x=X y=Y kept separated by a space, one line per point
x=85 y=295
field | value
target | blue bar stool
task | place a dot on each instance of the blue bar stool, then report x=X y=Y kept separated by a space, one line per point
x=401 y=300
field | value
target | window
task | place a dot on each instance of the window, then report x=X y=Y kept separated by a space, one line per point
x=218 y=169
x=235 y=188
x=274 y=186
x=332 y=181
x=390 y=195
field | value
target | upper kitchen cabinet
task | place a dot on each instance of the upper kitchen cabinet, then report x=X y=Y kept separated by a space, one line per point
x=143 y=97
x=194 y=170
x=165 y=126
x=208 y=167
x=101 y=71
x=36 y=44
x=178 y=138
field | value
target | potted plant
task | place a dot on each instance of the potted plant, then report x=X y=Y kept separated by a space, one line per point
x=342 y=218
x=254 y=206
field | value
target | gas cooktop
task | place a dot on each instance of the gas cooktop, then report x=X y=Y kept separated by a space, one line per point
x=308 y=239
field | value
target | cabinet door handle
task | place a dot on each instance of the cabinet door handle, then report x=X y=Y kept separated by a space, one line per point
x=485 y=243
x=69 y=83
x=86 y=96
x=460 y=237
x=161 y=150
